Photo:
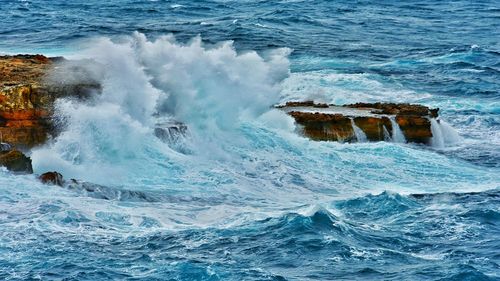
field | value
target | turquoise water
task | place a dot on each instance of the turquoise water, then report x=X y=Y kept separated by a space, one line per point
x=243 y=196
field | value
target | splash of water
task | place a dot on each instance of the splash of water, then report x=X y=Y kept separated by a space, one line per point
x=397 y=134
x=210 y=89
x=360 y=135
x=387 y=135
x=443 y=134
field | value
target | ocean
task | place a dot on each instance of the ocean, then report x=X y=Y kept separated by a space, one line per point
x=243 y=196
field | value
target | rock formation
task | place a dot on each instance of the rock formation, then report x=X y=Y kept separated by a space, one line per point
x=337 y=123
x=15 y=161
x=27 y=95
x=52 y=178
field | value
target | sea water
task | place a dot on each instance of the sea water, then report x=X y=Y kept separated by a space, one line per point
x=242 y=196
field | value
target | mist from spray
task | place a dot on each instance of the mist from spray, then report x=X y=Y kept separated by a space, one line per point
x=211 y=89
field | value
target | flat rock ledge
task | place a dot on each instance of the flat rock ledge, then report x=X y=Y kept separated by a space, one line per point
x=363 y=121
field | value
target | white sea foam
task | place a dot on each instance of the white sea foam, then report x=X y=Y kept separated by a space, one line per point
x=443 y=134
x=247 y=162
x=211 y=90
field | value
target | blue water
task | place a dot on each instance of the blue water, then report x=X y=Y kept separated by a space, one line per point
x=243 y=196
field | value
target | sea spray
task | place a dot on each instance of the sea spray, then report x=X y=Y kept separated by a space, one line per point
x=451 y=135
x=211 y=87
x=443 y=134
x=211 y=90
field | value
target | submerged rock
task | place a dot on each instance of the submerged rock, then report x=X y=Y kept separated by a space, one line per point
x=28 y=91
x=15 y=161
x=375 y=120
x=170 y=131
x=95 y=190
x=173 y=133
x=53 y=178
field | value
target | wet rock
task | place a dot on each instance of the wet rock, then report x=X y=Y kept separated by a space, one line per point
x=28 y=91
x=415 y=128
x=175 y=134
x=324 y=127
x=52 y=178
x=404 y=109
x=335 y=123
x=373 y=127
x=15 y=161
x=170 y=131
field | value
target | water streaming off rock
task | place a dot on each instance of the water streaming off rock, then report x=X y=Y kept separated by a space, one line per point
x=397 y=134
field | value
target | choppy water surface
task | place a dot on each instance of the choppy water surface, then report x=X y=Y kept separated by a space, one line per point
x=243 y=197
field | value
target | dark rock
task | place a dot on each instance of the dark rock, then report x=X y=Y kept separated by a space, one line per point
x=175 y=134
x=15 y=161
x=5 y=147
x=303 y=104
x=53 y=178
x=395 y=108
x=171 y=131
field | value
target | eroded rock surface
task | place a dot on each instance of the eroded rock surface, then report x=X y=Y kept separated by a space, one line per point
x=375 y=120
x=27 y=95
x=15 y=161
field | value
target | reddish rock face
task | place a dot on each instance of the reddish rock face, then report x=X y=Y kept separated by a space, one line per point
x=53 y=178
x=335 y=123
x=27 y=97
x=373 y=127
x=415 y=128
x=324 y=127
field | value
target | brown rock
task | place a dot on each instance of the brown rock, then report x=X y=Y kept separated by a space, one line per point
x=371 y=118
x=324 y=127
x=415 y=128
x=27 y=96
x=396 y=108
x=53 y=178
x=373 y=127
x=15 y=161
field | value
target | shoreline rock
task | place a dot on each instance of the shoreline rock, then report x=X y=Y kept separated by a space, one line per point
x=52 y=178
x=27 y=96
x=15 y=161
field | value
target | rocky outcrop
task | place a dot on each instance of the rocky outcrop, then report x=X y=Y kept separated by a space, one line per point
x=15 y=161
x=324 y=126
x=27 y=95
x=52 y=178
x=375 y=120
x=170 y=131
